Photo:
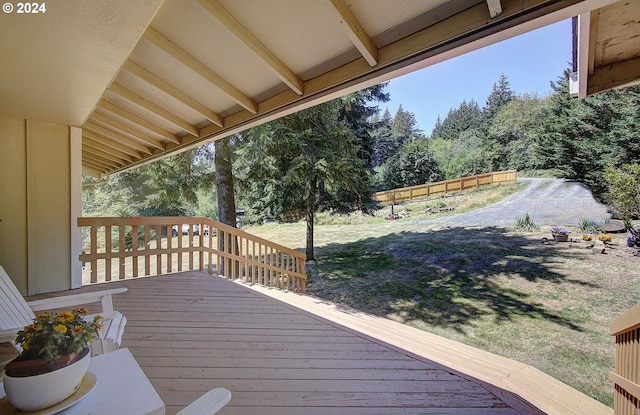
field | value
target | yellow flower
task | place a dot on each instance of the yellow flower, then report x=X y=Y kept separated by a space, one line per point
x=43 y=316
x=26 y=345
x=605 y=237
x=61 y=328
x=78 y=329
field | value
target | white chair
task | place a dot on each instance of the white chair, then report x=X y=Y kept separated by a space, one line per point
x=16 y=313
x=209 y=403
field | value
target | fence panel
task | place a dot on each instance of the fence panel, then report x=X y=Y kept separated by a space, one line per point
x=444 y=187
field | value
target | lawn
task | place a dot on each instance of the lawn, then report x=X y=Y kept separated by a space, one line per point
x=511 y=293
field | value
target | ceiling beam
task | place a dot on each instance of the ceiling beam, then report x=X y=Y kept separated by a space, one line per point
x=88 y=166
x=109 y=145
x=151 y=107
x=354 y=31
x=90 y=171
x=117 y=137
x=113 y=108
x=89 y=141
x=202 y=70
x=171 y=90
x=121 y=128
x=285 y=74
x=87 y=149
x=95 y=155
x=98 y=161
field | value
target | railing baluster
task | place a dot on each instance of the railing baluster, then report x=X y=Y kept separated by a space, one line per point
x=147 y=242
x=94 y=252
x=169 y=231
x=158 y=248
x=121 y=248
x=626 y=374
x=134 y=249
x=107 y=250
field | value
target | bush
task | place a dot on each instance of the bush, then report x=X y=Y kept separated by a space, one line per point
x=525 y=223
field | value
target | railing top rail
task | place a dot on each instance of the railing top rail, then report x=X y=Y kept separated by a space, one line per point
x=627 y=321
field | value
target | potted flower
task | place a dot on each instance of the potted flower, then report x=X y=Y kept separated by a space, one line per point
x=55 y=356
x=560 y=234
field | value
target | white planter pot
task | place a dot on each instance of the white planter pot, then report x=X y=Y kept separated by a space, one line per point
x=31 y=393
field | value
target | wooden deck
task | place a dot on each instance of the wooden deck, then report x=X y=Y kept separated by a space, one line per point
x=191 y=332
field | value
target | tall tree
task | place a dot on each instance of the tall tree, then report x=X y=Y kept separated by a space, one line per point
x=358 y=116
x=510 y=144
x=304 y=163
x=405 y=127
x=501 y=94
x=384 y=144
x=414 y=164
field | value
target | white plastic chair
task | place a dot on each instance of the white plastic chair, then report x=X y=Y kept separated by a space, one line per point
x=209 y=403
x=16 y=313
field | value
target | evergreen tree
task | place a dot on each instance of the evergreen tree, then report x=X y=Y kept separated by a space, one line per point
x=384 y=144
x=501 y=94
x=358 y=116
x=405 y=127
x=467 y=116
x=304 y=163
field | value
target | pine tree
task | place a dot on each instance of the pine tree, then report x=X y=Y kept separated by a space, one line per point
x=384 y=145
x=501 y=94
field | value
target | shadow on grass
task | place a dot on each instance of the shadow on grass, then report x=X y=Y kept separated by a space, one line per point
x=449 y=278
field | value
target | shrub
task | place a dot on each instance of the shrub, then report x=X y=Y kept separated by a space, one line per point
x=525 y=223
x=588 y=226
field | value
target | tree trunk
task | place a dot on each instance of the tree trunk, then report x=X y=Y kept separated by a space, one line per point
x=224 y=182
x=226 y=201
x=309 y=216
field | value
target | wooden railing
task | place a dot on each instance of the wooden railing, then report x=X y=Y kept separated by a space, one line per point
x=447 y=186
x=626 y=376
x=128 y=247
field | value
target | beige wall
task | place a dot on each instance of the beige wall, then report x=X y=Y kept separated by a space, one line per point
x=36 y=204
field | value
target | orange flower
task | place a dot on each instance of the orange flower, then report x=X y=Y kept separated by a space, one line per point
x=65 y=316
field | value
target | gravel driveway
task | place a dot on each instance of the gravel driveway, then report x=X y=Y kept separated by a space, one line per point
x=548 y=201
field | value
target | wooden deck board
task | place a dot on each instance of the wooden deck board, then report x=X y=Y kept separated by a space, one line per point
x=191 y=332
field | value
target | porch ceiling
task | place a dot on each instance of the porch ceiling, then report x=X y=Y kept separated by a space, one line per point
x=148 y=78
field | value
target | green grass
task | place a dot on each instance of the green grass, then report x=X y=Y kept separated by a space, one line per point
x=548 y=305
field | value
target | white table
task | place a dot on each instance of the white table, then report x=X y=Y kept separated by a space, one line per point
x=121 y=388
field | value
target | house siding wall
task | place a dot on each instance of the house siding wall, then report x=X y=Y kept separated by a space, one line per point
x=35 y=204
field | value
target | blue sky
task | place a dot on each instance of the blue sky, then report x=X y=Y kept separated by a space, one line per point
x=530 y=61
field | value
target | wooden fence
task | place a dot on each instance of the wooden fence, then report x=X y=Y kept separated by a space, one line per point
x=129 y=247
x=626 y=375
x=447 y=186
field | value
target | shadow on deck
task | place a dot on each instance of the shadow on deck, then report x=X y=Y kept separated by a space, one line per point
x=284 y=353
